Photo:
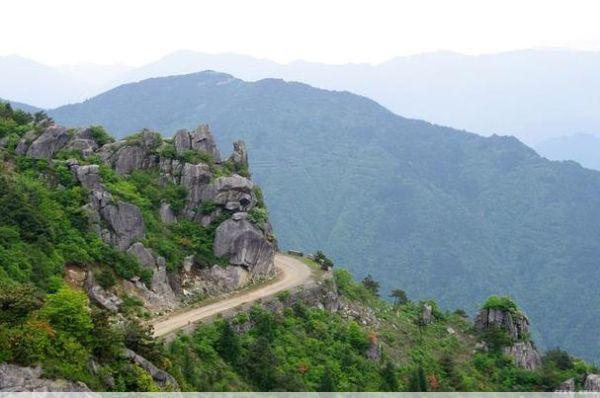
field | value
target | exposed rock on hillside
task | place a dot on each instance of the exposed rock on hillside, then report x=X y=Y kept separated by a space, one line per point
x=243 y=244
x=212 y=192
x=15 y=378
x=200 y=139
x=516 y=325
x=161 y=377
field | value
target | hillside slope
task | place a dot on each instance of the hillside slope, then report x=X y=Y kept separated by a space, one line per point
x=436 y=211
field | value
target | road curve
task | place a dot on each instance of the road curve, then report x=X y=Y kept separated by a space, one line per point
x=293 y=272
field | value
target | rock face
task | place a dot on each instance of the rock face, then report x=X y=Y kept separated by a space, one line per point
x=566 y=386
x=427 y=314
x=15 y=378
x=52 y=140
x=243 y=244
x=200 y=139
x=592 y=383
x=125 y=223
x=239 y=157
x=99 y=295
x=516 y=326
x=211 y=194
x=161 y=377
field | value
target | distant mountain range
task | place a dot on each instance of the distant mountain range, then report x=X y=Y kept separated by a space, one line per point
x=422 y=207
x=533 y=94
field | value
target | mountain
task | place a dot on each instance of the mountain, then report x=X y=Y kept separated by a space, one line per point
x=21 y=106
x=27 y=81
x=433 y=210
x=583 y=148
x=532 y=94
x=112 y=250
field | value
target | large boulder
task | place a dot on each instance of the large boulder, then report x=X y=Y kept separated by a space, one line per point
x=87 y=175
x=15 y=378
x=199 y=140
x=48 y=143
x=160 y=281
x=101 y=296
x=592 y=383
x=84 y=142
x=243 y=244
x=235 y=193
x=525 y=355
x=136 y=153
x=125 y=223
x=196 y=180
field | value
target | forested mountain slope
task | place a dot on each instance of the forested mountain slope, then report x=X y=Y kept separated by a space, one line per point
x=439 y=212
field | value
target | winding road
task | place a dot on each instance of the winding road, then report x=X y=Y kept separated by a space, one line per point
x=292 y=273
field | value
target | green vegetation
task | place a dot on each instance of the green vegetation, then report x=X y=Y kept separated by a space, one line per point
x=310 y=349
x=401 y=199
x=501 y=303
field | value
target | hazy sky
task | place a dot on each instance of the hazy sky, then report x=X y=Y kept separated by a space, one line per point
x=138 y=31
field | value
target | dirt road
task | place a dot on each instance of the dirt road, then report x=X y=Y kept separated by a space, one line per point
x=293 y=272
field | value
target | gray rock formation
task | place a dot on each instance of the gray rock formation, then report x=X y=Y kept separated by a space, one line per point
x=166 y=214
x=235 y=193
x=525 y=355
x=195 y=178
x=516 y=326
x=87 y=175
x=125 y=223
x=243 y=244
x=160 y=282
x=84 y=142
x=374 y=351
x=566 y=386
x=199 y=140
x=133 y=154
x=161 y=377
x=47 y=144
x=25 y=142
x=427 y=314
x=98 y=294
x=239 y=157
x=15 y=378
x=592 y=383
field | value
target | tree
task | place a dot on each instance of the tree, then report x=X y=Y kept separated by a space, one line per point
x=68 y=311
x=390 y=381
x=228 y=344
x=16 y=302
x=323 y=260
x=399 y=296
x=371 y=284
x=418 y=381
x=328 y=382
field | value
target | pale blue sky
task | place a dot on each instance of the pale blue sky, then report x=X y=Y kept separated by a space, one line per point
x=334 y=31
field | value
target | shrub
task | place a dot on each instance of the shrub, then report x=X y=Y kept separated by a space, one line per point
x=106 y=278
x=258 y=216
x=100 y=135
x=503 y=303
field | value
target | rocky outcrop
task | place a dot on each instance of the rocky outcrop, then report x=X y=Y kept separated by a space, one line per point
x=136 y=153
x=161 y=377
x=234 y=193
x=239 y=157
x=15 y=378
x=516 y=325
x=199 y=140
x=124 y=221
x=212 y=281
x=163 y=297
x=243 y=244
x=84 y=142
x=566 y=386
x=427 y=314
x=166 y=214
x=99 y=295
x=592 y=383
x=50 y=141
